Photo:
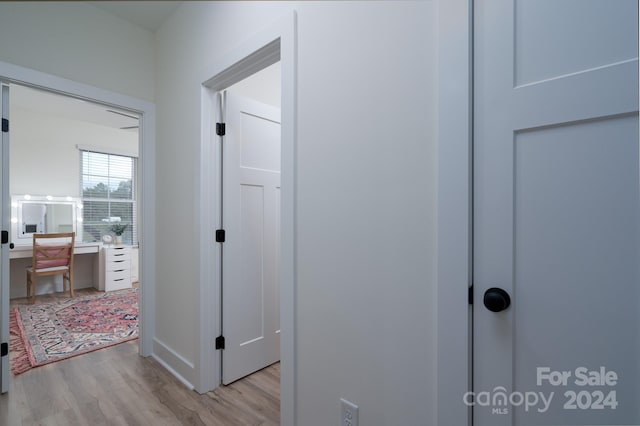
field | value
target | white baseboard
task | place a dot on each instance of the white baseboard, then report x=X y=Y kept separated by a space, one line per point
x=174 y=363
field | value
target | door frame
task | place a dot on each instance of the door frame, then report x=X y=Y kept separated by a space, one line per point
x=276 y=41
x=36 y=79
x=455 y=203
x=5 y=214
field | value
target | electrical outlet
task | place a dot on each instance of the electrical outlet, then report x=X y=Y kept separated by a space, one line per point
x=348 y=413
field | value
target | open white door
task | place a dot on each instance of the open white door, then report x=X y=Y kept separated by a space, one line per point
x=556 y=213
x=251 y=218
x=4 y=248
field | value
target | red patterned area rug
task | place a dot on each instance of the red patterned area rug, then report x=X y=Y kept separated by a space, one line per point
x=50 y=332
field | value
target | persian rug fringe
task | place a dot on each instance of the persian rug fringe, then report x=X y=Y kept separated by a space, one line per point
x=19 y=356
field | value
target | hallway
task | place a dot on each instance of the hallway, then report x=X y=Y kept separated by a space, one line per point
x=115 y=386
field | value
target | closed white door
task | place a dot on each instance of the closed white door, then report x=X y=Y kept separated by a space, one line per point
x=4 y=248
x=251 y=256
x=556 y=213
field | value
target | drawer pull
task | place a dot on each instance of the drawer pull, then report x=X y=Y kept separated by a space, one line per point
x=119 y=279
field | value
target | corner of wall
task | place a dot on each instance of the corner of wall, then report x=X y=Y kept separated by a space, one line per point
x=180 y=367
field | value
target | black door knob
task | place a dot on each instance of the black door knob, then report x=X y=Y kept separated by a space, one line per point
x=496 y=299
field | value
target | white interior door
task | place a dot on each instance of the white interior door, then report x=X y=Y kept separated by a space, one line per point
x=4 y=247
x=556 y=213
x=251 y=218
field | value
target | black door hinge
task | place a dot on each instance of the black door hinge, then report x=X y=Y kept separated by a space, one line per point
x=220 y=236
x=221 y=129
x=5 y=125
x=4 y=349
x=471 y=295
x=5 y=237
x=219 y=342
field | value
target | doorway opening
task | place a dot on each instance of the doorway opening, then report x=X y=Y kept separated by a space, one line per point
x=250 y=213
x=275 y=43
x=73 y=168
x=145 y=111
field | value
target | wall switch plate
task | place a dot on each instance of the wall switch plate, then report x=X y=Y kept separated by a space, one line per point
x=348 y=413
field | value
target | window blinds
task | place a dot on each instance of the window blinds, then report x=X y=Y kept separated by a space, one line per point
x=108 y=186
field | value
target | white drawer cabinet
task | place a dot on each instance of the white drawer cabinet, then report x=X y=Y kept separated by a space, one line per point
x=115 y=268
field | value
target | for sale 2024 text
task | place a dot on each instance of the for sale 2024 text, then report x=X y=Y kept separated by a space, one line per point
x=583 y=377
x=595 y=391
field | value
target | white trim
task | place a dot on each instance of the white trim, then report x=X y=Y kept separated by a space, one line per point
x=277 y=40
x=146 y=109
x=181 y=379
x=454 y=209
x=5 y=215
x=256 y=61
x=107 y=150
x=207 y=358
x=162 y=352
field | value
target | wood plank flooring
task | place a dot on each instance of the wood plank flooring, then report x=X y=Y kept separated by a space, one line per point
x=115 y=386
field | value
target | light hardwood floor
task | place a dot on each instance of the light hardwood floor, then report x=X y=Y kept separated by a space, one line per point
x=115 y=386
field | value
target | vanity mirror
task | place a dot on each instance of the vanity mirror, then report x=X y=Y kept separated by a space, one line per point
x=32 y=214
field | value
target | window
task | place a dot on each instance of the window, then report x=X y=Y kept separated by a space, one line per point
x=108 y=195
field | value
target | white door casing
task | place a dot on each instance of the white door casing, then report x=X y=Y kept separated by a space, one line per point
x=4 y=250
x=556 y=212
x=251 y=219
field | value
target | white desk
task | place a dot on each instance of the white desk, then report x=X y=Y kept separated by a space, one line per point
x=20 y=251
x=88 y=272
x=85 y=269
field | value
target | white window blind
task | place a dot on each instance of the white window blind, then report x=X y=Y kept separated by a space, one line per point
x=108 y=195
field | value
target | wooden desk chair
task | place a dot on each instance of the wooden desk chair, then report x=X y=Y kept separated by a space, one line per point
x=52 y=255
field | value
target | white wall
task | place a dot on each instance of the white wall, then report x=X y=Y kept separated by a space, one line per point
x=366 y=207
x=263 y=86
x=79 y=42
x=44 y=157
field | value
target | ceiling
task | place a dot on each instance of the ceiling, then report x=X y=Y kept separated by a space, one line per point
x=149 y=15
x=52 y=104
